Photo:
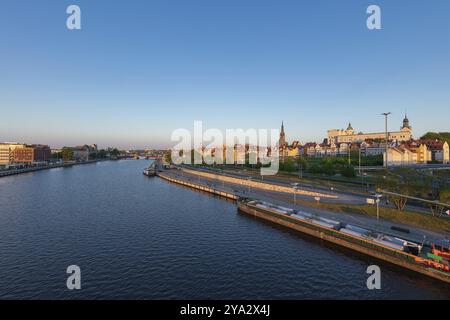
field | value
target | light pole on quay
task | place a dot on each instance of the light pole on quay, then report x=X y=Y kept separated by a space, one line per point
x=386 y=114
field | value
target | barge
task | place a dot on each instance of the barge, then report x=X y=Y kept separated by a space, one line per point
x=433 y=262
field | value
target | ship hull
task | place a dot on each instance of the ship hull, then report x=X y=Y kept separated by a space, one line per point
x=369 y=248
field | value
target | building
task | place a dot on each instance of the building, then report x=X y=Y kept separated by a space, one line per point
x=32 y=154
x=349 y=135
x=284 y=148
x=81 y=153
x=438 y=150
x=418 y=152
x=7 y=152
x=400 y=156
x=372 y=148
x=318 y=150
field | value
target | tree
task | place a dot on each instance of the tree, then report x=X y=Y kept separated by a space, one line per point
x=67 y=154
x=328 y=167
x=287 y=165
x=348 y=171
x=101 y=154
x=168 y=157
x=444 y=197
x=401 y=183
x=114 y=152
x=443 y=136
x=301 y=163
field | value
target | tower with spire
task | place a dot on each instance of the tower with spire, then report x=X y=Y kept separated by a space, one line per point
x=282 y=142
x=350 y=129
x=406 y=123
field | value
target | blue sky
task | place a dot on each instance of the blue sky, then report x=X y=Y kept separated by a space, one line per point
x=140 y=69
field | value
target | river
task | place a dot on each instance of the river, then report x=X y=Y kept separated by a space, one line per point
x=136 y=237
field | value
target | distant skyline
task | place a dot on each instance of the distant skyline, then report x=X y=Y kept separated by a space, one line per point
x=137 y=70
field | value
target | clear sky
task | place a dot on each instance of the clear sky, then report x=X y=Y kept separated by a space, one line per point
x=137 y=70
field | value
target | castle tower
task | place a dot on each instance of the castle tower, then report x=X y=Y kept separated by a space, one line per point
x=349 y=129
x=406 y=122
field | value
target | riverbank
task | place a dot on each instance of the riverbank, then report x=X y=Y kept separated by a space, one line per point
x=7 y=173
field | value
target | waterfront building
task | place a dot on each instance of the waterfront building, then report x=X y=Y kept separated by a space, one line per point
x=81 y=153
x=32 y=154
x=7 y=152
x=349 y=135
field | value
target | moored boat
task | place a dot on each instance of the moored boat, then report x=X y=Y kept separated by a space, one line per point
x=150 y=171
x=404 y=253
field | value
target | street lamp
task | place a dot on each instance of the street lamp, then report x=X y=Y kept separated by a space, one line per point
x=386 y=114
x=300 y=169
x=359 y=166
x=349 y=153
x=378 y=196
x=295 y=192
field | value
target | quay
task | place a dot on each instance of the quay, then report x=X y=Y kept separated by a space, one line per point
x=261 y=185
x=200 y=187
x=39 y=168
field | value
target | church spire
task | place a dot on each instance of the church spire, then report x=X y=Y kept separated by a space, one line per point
x=282 y=141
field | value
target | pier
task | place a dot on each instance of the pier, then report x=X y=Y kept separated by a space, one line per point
x=200 y=187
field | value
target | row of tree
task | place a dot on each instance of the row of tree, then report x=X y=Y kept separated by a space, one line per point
x=443 y=136
x=66 y=154
x=407 y=182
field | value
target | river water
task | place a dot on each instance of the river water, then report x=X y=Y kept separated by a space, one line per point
x=137 y=237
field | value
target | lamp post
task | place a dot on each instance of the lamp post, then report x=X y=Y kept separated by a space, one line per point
x=359 y=169
x=300 y=170
x=349 y=153
x=386 y=114
x=378 y=196
x=295 y=192
x=223 y=180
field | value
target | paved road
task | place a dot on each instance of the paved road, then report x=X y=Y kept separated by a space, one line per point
x=343 y=196
x=416 y=234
